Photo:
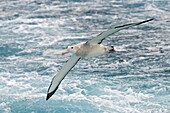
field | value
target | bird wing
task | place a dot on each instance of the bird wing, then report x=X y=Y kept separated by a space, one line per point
x=61 y=74
x=99 y=38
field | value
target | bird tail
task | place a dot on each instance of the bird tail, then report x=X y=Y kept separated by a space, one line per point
x=112 y=49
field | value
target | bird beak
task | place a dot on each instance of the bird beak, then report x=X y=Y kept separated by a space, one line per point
x=65 y=52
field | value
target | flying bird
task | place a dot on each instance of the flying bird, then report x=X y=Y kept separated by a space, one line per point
x=90 y=48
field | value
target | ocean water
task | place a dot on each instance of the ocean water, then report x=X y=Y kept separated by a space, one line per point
x=135 y=79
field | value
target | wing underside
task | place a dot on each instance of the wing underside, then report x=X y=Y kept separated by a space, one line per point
x=61 y=74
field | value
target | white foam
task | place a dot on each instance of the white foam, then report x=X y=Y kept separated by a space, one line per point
x=120 y=48
x=106 y=95
x=50 y=52
x=4 y=108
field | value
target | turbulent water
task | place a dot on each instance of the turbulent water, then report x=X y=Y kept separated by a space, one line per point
x=135 y=79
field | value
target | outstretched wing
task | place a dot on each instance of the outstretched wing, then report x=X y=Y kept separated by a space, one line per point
x=61 y=74
x=99 y=38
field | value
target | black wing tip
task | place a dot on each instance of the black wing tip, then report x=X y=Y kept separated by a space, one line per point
x=135 y=23
x=151 y=19
x=49 y=95
x=145 y=21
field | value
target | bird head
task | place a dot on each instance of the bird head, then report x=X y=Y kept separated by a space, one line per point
x=70 y=49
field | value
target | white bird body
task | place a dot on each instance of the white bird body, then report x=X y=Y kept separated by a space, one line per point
x=90 y=48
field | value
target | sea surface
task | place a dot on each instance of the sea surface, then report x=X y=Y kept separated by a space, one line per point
x=134 y=79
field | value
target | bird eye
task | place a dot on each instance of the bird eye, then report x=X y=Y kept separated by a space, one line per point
x=72 y=47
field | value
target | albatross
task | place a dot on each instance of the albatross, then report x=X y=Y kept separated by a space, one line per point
x=91 y=48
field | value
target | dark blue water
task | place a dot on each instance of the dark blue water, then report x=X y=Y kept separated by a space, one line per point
x=135 y=79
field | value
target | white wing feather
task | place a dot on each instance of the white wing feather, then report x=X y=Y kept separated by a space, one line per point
x=61 y=74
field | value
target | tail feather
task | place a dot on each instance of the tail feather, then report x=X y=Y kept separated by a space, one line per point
x=112 y=49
